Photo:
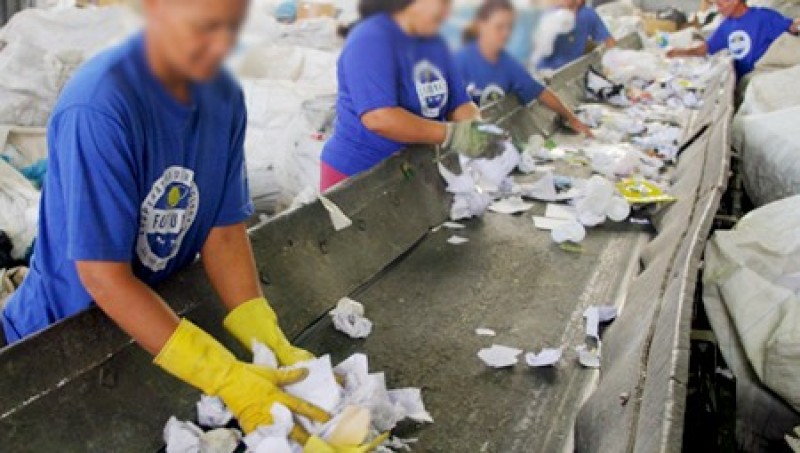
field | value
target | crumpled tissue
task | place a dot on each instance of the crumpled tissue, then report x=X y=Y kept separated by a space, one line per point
x=362 y=390
x=348 y=317
x=499 y=356
x=212 y=413
x=598 y=201
x=546 y=357
x=468 y=202
x=186 y=437
x=510 y=205
x=568 y=231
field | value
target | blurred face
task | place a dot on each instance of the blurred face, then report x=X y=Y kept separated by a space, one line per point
x=728 y=7
x=195 y=36
x=494 y=31
x=570 y=4
x=428 y=15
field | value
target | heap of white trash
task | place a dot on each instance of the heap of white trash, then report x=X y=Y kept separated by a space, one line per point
x=363 y=400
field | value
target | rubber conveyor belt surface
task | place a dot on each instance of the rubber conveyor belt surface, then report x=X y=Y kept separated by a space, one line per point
x=511 y=278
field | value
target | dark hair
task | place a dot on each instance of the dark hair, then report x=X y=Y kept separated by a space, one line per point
x=367 y=8
x=485 y=11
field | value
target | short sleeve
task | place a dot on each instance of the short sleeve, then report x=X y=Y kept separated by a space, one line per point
x=600 y=32
x=777 y=24
x=236 y=204
x=718 y=40
x=97 y=171
x=370 y=72
x=457 y=89
x=523 y=84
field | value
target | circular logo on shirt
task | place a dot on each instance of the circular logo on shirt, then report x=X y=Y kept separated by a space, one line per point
x=166 y=215
x=431 y=88
x=739 y=44
x=492 y=93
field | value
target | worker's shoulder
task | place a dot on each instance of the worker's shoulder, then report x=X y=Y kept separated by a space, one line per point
x=105 y=82
x=587 y=13
x=760 y=12
x=376 y=27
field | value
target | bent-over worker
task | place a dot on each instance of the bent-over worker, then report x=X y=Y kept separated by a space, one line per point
x=572 y=45
x=491 y=73
x=746 y=31
x=398 y=85
x=147 y=170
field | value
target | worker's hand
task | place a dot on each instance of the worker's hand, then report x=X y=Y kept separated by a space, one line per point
x=248 y=390
x=474 y=139
x=317 y=445
x=578 y=126
x=675 y=53
x=255 y=320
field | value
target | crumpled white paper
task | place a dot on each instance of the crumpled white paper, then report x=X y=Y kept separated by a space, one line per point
x=457 y=240
x=362 y=389
x=348 y=317
x=482 y=331
x=319 y=387
x=339 y=220
x=182 y=437
x=510 y=205
x=546 y=357
x=499 y=356
x=212 y=413
x=568 y=231
x=273 y=438
x=600 y=200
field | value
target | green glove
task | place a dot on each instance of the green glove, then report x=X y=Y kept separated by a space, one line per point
x=474 y=139
x=248 y=390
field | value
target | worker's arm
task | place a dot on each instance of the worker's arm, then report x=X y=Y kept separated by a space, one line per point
x=609 y=43
x=136 y=308
x=795 y=27
x=461 y=135
x=465 y=112
x=400 y=125
x=554 y=103
x=697 y=51
x=228 y=260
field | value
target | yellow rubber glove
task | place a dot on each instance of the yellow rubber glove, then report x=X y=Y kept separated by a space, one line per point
x=317 y=445
x=248 y=390
x=255 y=319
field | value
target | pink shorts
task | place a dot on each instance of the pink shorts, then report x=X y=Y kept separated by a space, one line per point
x=329 y=177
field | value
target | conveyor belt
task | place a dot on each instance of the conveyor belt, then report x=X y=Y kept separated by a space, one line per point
x=83 y=386
x=512 y=278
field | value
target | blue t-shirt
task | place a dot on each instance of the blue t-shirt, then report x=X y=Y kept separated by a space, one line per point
x=134 y=176
x=571 y=46
x=749 y=36
x=488 y=82
x=382 y=66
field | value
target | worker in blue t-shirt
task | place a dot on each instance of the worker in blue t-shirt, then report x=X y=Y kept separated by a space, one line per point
x=746 y=31
x=398 y=85
x=490 y=72
x=570 y=46
x=146 y=170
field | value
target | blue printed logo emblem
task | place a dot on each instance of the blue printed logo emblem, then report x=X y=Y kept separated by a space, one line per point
x=431 y=88
x=166 y=215
x=739 y=44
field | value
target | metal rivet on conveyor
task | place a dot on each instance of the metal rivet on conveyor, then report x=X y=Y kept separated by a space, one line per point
x=362 y=225
x=323 y=246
